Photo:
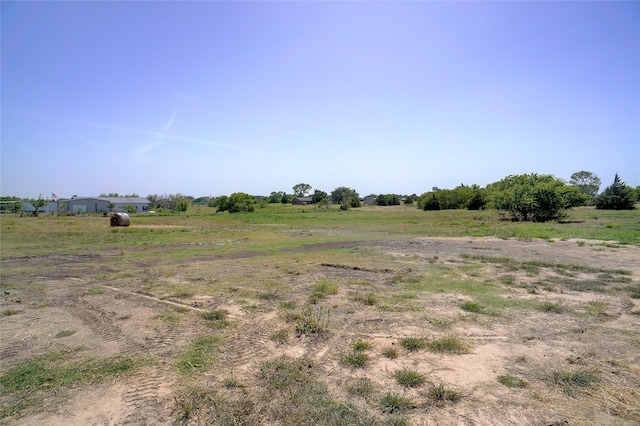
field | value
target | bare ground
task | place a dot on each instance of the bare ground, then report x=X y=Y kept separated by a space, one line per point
x=55 y=293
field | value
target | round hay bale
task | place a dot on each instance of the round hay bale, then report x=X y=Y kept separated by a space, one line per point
x=120 y=219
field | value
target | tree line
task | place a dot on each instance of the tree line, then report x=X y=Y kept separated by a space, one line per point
x=526 y=197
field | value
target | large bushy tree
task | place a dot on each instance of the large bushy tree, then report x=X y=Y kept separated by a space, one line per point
x=461 y=197
x=587 y=183
x=301 y=189
x=534 y=197
x=345 y=196
x=318 y=196
x=617 y=196
x=235 y=203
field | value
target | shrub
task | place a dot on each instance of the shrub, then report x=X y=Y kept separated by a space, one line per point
x=534 y=197
x=312 y=320
x=236 y=203
x=618 y=196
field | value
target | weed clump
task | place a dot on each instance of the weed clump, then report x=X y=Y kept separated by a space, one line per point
x=450 y=344
x=439 y=395
x=511 y=381
x=409 y=378
x=471 y=307
x=216 y=318
x=555 y=308
x=280 y=337
x=390 y=352
x=361 y=345
x=413 y=343
x=570 y=380
x=355 y=359
x=313 y=321
x=392 y=403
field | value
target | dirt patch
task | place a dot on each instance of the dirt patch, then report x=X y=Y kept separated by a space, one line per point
x=592 y=331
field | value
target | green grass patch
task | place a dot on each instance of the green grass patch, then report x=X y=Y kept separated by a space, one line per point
x=292 y=383
x=449 y=344
x=413 y=344
x=355 y=359
x=8 y=312
x=595 y=307
x=216 y=318
x=368 y=299
x=326 y=287
x=409 y=378
x=64 y=333
x=361 y=345
x=472 y=307
x=569 y=380
x=281 y=336
x=55 y=370
x=392 y=403
x=555 y=308
x=168 y=317
x=199 y=355
x=511 y=381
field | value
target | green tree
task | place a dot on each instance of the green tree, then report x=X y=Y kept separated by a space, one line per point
x=221 y=202
x=38 y=204
x=131 y=209
x=534 y=197
x=301 y=190
x=276 y=197
x=286 y=198
x=182 y=204
x=617 y=196
x=236 y=203
x=318 y=196
x=343 y=194
x=477 y=200
x=587 y=183
x=431 y=203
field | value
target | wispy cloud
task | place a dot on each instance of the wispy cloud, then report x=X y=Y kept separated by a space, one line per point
x=169 y=123
x=160 y=133
x=140 y=151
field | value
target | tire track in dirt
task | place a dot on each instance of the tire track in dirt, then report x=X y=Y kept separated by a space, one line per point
x=163 y=342
x=102 y=325
x=147 y=399
x=247 y=343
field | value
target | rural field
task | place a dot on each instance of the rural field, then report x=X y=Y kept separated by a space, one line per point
x=294 y=315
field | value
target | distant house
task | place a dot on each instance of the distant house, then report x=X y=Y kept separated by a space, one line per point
x=103 y=204
x=302 y=201
x=369 y=201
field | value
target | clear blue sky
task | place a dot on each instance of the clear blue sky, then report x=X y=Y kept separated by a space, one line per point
x=210 y=98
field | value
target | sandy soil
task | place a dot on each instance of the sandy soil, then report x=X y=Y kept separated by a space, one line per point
x=52 y=295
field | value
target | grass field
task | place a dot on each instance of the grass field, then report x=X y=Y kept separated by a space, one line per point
x=297 y=315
